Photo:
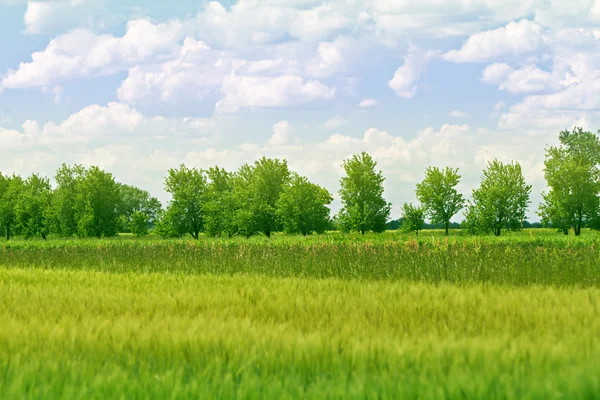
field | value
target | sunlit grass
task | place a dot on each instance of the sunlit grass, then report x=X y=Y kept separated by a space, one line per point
x=87 y=334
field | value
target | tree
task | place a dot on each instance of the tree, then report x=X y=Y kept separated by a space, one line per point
x=501 y=200
x=439 y=196
x=64 y=218
x=220 y=206
x=96 y=204
x=10 y=190
x=133 y=199
x=364 y=208
x=269 y=177
x=32 y=208
x=139 y=223
x=188 y=189
x=302 y=207
x=413 y=218
x=573 y=175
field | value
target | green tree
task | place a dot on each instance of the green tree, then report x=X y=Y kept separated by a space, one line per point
x=220 y=206
x=573 y=175
x=269 y=178
x=10 y=190
x=132 y=199
x=439 y=196
x=188 y=190
x=302 y=207
x=139 y=223
x=501 y=200
x=96 y=204
x=64 y=216
x=32 y=209
x=364 y=208
x=413 y=218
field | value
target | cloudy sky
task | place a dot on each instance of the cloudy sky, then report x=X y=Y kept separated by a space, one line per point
x=138 y=87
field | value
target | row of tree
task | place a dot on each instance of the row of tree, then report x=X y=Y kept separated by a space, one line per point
x=266 y=197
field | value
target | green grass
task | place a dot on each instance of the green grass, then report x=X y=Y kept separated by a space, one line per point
x=84 y=334
x=332 y=316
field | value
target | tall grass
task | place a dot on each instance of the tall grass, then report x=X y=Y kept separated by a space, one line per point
x=86 y=334
x=513 y=260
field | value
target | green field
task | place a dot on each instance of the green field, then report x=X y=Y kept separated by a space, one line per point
x=334 y=316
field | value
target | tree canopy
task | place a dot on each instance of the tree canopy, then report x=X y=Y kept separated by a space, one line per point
x=438 y=194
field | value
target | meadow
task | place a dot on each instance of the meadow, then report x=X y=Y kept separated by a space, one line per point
x=332 y=316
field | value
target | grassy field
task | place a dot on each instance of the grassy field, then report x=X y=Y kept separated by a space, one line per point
x=382 y=316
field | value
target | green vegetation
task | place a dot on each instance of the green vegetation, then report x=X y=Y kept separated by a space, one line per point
x=83 y=334
x=439 y=196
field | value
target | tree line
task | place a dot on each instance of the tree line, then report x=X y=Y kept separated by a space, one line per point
x=267 y=197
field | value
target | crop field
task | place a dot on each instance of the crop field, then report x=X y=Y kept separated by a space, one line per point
x=331 y=316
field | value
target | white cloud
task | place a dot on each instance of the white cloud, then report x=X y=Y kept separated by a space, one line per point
x=514 y=39
x=404 y=82
x=524 y=80
x=368 y=103
x=334 y=123
x=81 y=53
x=269 y=92
x=284 y=133
x=61 y=15
x=458 y=114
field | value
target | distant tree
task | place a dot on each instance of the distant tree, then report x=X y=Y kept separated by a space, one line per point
x=188 y=190
x=269 y=179
x=96 y=204
x=413 y=218
x=501 y=200
x=64 y=217
x=10 y=190
x=164 y=227
x=364 y=208
x=302 y=207
x=220 y=206
x=439 y=196
x=139 y=223
x=32 y=208
x=133 y=199
x=572 y=171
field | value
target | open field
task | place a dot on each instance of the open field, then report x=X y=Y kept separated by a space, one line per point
x=320 y=317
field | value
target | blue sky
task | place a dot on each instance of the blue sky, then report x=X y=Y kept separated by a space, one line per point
x=139 y=87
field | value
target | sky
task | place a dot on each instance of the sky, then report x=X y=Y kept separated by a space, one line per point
x=138 y=87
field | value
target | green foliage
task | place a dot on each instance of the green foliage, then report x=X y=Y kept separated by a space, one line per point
x=11 y=188
x=501 y=200
x=364 y=208
x=96 y=203
x=572 y=171
x=220 y=204
x=133 y=199
x=64 y=217
x=413 y=218
x=439 y=196
x=302 y=207
x=188 y=190
x=268 y=180
x=139 y=223
x=32 y=209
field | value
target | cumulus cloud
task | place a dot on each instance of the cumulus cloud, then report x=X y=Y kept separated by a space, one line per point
x=255 y=92
x=367 y=103
x=81 y=53
x=61 y=15
x=334 y=123
x=514 y=39
x=405 y=80
x=284 y=134
x=458 y=114
x=523 y=80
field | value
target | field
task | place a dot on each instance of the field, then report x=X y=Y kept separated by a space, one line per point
x=335 y=316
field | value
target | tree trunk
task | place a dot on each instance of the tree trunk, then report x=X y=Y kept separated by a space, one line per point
x=7 y=232
x=268 y=233
x=447 y=225
x=362 y=231
x=578 y=230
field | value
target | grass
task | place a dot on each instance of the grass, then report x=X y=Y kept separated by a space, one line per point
x=85 y=334
x=335 y=316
